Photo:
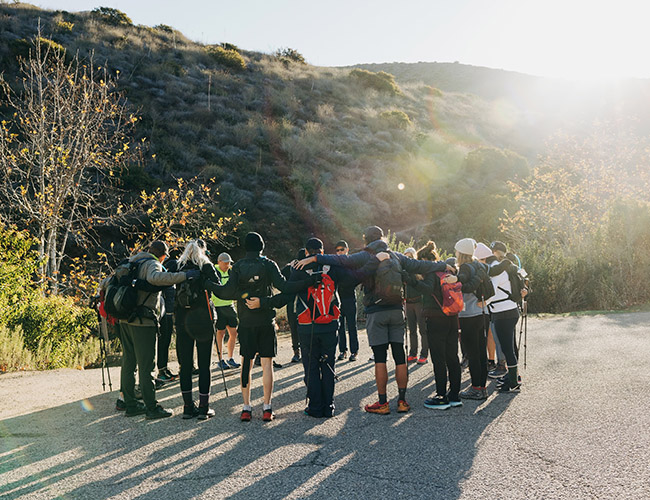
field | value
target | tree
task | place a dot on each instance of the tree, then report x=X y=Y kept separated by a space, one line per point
x=65 y=137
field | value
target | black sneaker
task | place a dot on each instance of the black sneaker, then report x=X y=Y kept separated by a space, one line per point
x=498 y=372
x=276 y=364
x=342 y=356
x=491 y=365
x=195 y=370
x=165 y=375
x=120 y=405
x=296 y=358
x=138 y=409
x=233 y=363
x=437 y=403
x=205 y=413
x=190 y=411
x=158 y=412
x=353 y=357
x=508 y=387
x=137 y=393
x=159 y=383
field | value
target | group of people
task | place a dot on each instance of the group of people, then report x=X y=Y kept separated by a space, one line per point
x=319 y=292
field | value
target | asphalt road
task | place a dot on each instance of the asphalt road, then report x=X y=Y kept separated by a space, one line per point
x=580 y=428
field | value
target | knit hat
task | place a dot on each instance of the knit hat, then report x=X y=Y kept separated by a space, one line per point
x=412 y=251
x=314 y=244
x=482 y=251
x=466 y=246
x=253 y=242
x=451 y=261
x=372 y=233
x=498 y=245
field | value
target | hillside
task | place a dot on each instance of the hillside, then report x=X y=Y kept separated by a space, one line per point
x=306 y=150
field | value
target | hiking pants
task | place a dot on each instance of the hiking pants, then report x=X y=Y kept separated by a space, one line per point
x=505 y=329
x=292 y=318
x=185 y=352
x=442 y=333
x=417 y=322
x=474 y=340
x=138 y=348
x=349 y=316
x=164 y=340
x=319 y=376
x=500 y=356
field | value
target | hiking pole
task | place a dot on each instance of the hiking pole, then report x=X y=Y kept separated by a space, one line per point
x=103 y=338
x=214 y=335
x=323 y=359
x=525 y=322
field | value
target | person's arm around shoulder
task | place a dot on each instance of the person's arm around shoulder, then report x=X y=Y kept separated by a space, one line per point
x=157 y=276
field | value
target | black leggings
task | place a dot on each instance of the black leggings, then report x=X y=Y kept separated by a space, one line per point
x=442 y=333
x=472 y=336
x=381 y=353
x=185 y=351
x=505 y=330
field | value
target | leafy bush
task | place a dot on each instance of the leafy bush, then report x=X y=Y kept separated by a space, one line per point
x=164 y=27
x=112 y=16
x=229 y=58
x=47 y=44
x=396 y=119
x=382 y=81
x=288 y=55
x=229 y=46
x=64 y=26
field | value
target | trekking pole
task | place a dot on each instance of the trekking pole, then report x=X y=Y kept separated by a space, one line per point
x=323 y=359
x=311 y=345
x=525 y=322
x=103 y=350
x=214 y=335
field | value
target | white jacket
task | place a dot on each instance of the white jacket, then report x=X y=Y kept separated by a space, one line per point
x=501 y=282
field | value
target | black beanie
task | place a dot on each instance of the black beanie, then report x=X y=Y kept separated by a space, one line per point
x=314 y=244
x=253 y=243
x=372 y=233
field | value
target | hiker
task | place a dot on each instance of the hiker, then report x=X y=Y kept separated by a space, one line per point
x=167 y=325
x=348 y=298
x=291 y=309
x=253 y=276
x=195 y=329
x=139 y=332
x=472 y=320
x=505 y=315
x=385 y=322
x=442 y=334
x=415 y=319
x=318 y=320
x=226 y=315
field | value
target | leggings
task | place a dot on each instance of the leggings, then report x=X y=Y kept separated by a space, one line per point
x=185 y=351
x=472 y=336
x=381 y=353
x=442 y=332
x=505 y=331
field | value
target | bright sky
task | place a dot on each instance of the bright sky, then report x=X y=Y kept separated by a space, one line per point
x=560 y=38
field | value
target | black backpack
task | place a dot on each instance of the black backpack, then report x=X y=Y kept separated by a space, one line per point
x=189 y=293
x=121 y=294
x=252 y=277
x=388 y=284
x=485 y=288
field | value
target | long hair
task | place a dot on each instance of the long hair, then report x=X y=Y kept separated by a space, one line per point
x=194 y=252
x=464 y=258
x=428 y=252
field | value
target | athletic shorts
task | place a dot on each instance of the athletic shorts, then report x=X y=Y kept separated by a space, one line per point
x=384 y=327
x=258 y=339
x=226 y=316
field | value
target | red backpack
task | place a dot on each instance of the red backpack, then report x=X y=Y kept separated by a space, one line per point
x=452 y=296
x=322 y=303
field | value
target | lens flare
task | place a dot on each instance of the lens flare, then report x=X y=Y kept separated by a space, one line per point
x=401 y=186
x=87 y=406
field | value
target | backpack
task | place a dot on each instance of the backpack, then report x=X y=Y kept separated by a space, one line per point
x=253 y=277
x=517 y=277
x=388 y=287
x=322 y=307
x=121 y=293
x=485 y=288
x=189 y=293
x=452 y=296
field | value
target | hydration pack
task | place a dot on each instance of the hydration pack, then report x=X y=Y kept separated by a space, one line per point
x=452 y=296
x=322 y=306
x=121 y=293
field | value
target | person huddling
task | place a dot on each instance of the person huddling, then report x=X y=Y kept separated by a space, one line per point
x=226 y=315
x=415 y=319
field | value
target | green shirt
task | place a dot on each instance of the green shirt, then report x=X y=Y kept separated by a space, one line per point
x=224 y=275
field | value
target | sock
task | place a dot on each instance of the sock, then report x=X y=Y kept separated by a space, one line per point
x=267 y=407
x=402 y=394
x=187 y=398
x=248 y=408
x=382 y=399
x=203 y=399
x=512 y=375
x=490 y=361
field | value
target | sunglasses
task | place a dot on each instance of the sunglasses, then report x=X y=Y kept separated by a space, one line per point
x=340 y=249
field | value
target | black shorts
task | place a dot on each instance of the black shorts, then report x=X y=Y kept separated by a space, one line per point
x=258 y=339
x=226 y=316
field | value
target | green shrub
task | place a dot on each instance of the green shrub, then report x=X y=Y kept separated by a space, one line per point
x=164 y=27
x=382 y=81
x=112 y=16
x=47 y=44
x=13 y=353
x=54 y=328
x=230 y=46
x=396 y=119
x=229 y=58
x=288 y=55
x=64 y=26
